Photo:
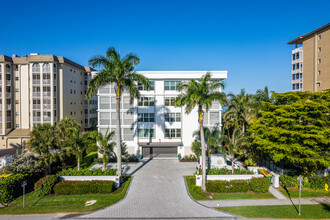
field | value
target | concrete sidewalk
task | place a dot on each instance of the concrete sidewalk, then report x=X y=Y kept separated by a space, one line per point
x=262 y=202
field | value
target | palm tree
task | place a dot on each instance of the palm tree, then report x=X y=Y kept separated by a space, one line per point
x=200 y=94
x=263 y=96
x=105 y=146
x=211 y=139
x=42 y=142
x=64 y=131
x=233 y=139
x=119 y=71
x=78 y=144
x=240 y=107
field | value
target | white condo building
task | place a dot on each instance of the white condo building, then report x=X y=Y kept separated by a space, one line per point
x=153 y=126
x=297 y=69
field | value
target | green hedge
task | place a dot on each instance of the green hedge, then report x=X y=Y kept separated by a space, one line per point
x=315 y=182
x=225 y=171
x=190 y=158
x=11 y=187
x=223 y=186
x=289 y=181
x=87 y=172
x=83 y=187
x=44 y=186
x=259 y=185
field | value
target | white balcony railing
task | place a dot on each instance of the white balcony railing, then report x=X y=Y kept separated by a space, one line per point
x=297 y=71
x=36 y=106
x=46 y=106
x=46 y=93
x=54 y=94
x=36 y=94
x=8 y=94
x=8 y=118
x=36 y=81
x=297 y=80
x=8 y=82
x=8 y=106
x=46 y=81
x=46 y=118
x=36 y=118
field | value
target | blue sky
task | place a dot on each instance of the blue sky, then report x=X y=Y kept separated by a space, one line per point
x=247 y=38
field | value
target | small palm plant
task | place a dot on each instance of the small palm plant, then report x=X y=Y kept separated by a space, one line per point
x=200 y=94
x=105 y=146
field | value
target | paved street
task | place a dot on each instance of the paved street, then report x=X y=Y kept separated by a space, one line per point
x=158 y=191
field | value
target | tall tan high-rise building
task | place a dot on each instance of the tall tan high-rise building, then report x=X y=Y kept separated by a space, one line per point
x=36 y=89
x=311 y=61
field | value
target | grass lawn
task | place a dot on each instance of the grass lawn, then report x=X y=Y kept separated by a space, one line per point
x=65 y=203
x=281 y=211
x=223 y=196
x=294 y=193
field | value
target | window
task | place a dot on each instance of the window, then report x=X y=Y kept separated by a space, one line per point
x=170 y=101
x=146 y=101
x=172 y=117
x=318 y=84
x=297 y=85
x=16 y=67
x=71 y=91
x=70 y=113
x=320 y=37
x=300 y=75
x=319 y=72
x=0 y=69
x=36 y=68
x=297 y=75
x=104 y=118
x=293 y=76
x=104 y=102
x=152 y=86
x=16 y=102
x=300 y=85
x=172 y=133
x=146 y=117
x=146 y=133
x=297 y=67
x=171 y=85
x=17 y=113
x=17 y=125
x=319 y=49
x=214 y=117
x=128 y=134
x=293 y=56
x=16 y=78
x=294 y=87
x=319 y=61
x=70 y=80
x=297 y=55
x=293 y=67
x=46 y=68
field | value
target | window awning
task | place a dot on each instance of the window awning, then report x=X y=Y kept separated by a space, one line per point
x=160 y=144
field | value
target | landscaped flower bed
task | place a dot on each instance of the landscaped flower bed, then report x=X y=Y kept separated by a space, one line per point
x=225 y=171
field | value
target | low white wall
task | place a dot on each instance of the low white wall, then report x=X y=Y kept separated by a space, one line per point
x=227 y=177
x=90 y=178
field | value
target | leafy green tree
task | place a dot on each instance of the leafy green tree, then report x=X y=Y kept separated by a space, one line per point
x=120 y=72
x=234 y=139
x=200 y=94
x=196 y=147
x=64 y=131
x=43 y=142
x=295 y=130
x=105 y=146
x=241 y=108
x=23 y=161
x=211 y=139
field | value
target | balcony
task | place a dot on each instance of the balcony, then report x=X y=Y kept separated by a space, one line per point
x=46 y=81
x=36 y=106
x=46 y=106
x=8 y=106
x=35 y=94
x=8 y=94
x=54 y=94
x=36 y=119
x=46 y=118
x=297 y=80
x=8 y=118
x=46 y=93
x=297 y=71
x=36 y=81
x=8 y=82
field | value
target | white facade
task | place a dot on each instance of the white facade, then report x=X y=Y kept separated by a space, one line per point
x=297 y=69
x=153 y=121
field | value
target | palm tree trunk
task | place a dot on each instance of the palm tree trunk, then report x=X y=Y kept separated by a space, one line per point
x=78 y=163
x=201 y=127
x=49 y=167
x=118 y=138
x=232 y=164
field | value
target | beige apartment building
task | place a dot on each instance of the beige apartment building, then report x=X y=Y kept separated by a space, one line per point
x=311 y=61
x=36 y=89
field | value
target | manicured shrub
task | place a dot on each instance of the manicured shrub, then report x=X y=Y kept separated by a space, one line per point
x=190 y=158
x=223 y=186
x=83 y=187
x=289 y=181
x=44 y=186
x=225 y=171
x=11 y=187
x=317 y=183
x=87 y=172
x=259 y=185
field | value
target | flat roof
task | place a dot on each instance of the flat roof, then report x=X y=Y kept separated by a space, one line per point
x=216 y=74
x=299 y=40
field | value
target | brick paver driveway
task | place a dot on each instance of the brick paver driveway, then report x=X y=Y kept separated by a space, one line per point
x=158 y=191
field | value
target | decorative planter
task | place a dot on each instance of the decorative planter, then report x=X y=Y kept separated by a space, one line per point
x=179 y=158
x=140 y=158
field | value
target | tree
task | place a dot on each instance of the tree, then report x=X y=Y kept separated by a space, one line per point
x=23 y=161
x=119 y=71
x=78 y=144
x=64 y=130
x=241 y=108
x=43 y=142
x=105 y=146
x=295 y=130
x=233 y=139
x=200 y=94
x=211 y=139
